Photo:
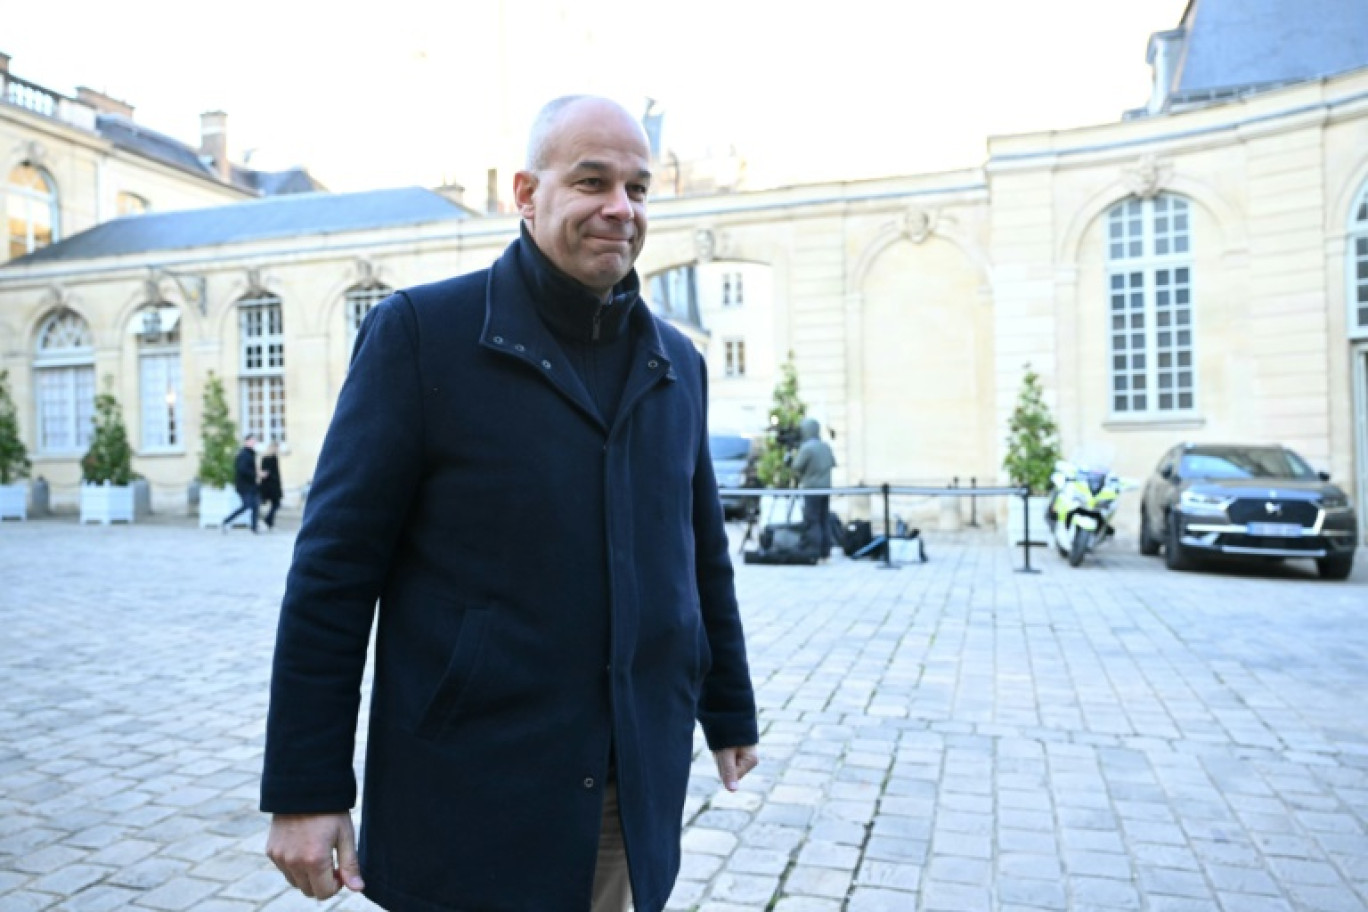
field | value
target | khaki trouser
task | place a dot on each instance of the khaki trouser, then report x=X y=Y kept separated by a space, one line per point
x=612 y=889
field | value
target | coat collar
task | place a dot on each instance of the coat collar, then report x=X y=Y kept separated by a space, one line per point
x=514 y=328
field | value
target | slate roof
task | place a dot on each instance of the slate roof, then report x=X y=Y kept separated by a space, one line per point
x=134 y=137
x=312 y=214
x=1245 y=44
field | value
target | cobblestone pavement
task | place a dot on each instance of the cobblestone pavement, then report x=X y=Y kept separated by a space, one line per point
x=949 y=736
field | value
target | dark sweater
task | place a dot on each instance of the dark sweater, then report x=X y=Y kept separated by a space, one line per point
x=594 y=335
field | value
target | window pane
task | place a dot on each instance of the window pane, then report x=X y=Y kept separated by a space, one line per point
x=1155 y=298
x=161 y=400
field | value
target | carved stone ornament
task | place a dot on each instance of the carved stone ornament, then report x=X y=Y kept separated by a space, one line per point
x=1148 y=177
x=255 y=283
x=917 y=224
x=365 y=271
x=33 y=152
x=57 y=295
x=705 y=245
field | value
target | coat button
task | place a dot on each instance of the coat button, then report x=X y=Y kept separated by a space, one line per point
x=546 y=364
x=589 y=782
x=520 y=347
x=653 y=364
x=498 y=340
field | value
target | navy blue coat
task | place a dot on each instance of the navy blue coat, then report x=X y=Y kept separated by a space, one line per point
x=549 y=587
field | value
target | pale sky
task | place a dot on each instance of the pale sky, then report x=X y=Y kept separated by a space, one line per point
x=406 y=92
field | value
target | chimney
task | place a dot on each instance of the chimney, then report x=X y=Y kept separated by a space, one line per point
x=103 y=103
x=214 y=143
x=4 y=62
x=1164 y=55
x=452 y=191
x=492 y=192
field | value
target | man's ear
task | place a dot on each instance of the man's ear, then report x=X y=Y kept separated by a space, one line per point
x=524 y=186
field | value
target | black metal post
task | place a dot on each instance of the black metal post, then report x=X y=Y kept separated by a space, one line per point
x=1026 y=530
x=888 y=530
x=973 y=505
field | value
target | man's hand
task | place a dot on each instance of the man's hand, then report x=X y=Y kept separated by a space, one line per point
x=733 y=763
x=302 y=846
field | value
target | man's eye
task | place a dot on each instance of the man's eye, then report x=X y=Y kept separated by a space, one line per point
x=592 y=183
x=639 y=190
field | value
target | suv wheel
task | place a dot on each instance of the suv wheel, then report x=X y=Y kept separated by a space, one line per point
x=1149 y=545
x=1336 y=568
x=1176 y=555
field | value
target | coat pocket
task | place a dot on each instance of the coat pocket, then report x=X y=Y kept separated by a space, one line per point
x=453 y=691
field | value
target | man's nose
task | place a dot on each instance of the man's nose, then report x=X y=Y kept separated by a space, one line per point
x=618 y=205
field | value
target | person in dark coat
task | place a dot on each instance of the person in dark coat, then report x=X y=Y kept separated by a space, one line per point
x=245 y=482
x=813 y=464
x=518 y=469
x=270 y=489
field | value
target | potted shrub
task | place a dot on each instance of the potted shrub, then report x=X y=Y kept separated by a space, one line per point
x=14 y=461
x=218 y=440
x=774 y=466
x=107 y=467
x=1032 y=451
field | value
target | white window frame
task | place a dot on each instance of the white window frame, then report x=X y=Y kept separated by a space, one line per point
x=1356 y=266
x=358 y=302
x=261 y=367
x=1135 y=247
x=734 y=357
x=32 y=201
x=64 y=365
x=733 y=289
x=161 y=395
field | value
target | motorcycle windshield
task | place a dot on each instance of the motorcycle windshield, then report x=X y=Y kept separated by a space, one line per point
x=1094 y=458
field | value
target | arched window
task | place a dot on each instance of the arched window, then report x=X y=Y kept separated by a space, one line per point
x=1358 y=265
x=32 y=205
x=261 y=367
x=132 y=204
x=64 y=370
x=1149 y=282
x=157 y=328
x=674 y=295
x=360 y=299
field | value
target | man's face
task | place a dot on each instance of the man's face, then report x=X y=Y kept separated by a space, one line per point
x=586 y=208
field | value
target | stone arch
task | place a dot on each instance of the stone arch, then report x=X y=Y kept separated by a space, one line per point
x=53 y=301
x=332 y=314
x=923 y=364
x=944 y=227
x=1223 y=213
x=1339 y=215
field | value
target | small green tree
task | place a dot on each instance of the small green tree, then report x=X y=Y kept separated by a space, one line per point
x=110 y=457
x=775 y=466
x=14 y=461
x=218 y=435
x=1032 y=439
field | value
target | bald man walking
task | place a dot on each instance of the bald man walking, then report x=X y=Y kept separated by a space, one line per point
x=518 y=471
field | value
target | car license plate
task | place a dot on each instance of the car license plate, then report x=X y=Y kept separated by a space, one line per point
x=1275 y=530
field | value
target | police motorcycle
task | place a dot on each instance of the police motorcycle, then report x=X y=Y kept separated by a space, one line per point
x=1082 y=504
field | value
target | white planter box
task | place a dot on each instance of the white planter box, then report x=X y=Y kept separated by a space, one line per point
x=216 y=503
x=106 y=503
x=1040 y=533
x=14 y=501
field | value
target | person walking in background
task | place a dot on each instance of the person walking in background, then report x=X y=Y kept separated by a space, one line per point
x=270 y=488
x=245 y=480
x=518 y=469
x=813 y=464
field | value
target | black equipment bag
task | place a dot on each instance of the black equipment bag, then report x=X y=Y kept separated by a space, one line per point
x=781 y=543
x=858 y=534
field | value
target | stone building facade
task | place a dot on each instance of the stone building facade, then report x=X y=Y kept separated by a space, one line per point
x=1196 y=272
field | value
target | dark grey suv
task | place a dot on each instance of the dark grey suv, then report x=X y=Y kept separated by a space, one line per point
x=1249 y=502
